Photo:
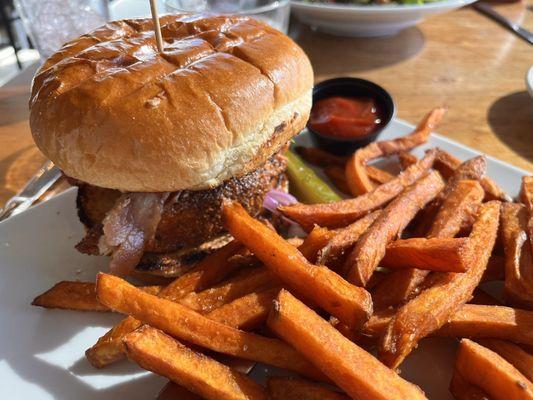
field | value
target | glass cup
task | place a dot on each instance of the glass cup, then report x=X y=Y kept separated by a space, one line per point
x=51 y=23
x=275 y=13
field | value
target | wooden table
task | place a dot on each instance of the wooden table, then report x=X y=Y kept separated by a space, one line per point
x=460 y=59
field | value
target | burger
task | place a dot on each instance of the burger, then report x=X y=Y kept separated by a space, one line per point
x=156 y=141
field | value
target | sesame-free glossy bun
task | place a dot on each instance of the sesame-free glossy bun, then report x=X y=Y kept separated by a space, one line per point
x=227 y=93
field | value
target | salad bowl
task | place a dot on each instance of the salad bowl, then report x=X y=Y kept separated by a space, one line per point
x=367 y=20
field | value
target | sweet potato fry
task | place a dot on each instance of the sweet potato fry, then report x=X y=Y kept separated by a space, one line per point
x=400 y=286
x=518 y=285
x=526 y=197
x=354 y=370
x=345 y=239
x=378 y=175
x=69 y=295
x=344 y=212
x=473 y=321
x=397 y=288
x=244 y=283
x=406 y=159
x=472 y=169
x=435 y=254
x=337 y=177
x=157 y=352
x=479 y=321
x=299 y=389
x=433 y=307
x=457 y=207
x=188 y=325
x=446 y=164
x=356 y=175
x=78 y=296
x=518 y=357
x=247 y=312
x=350 y=304
x=173 y=391
x=491 y=373
x=462 y=390
x=319 y=157
x=212 y=269
x=371 y=247
x=316 y=240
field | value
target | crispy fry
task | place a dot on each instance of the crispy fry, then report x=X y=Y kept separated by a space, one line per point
x=354 y=370
x=336 y=176
x=526 y=197
x=435 y=254
x=446 y=164
x=479 y=321
x=472 y=169
x=491 y=373
x=344 y=212
x=316 y=240
x=319 y=157
x=173 y=391
x=371 y=247
x=457 y=207
x=518 y=357
x=378 y=175
x=397 y=288
x=247 y=312
x=400 y=286
x=406 y=159
x=350 y=304
x=356 y=175
x=212 y=269
x=187 y=325
x=299 y=389
x=462 y=390
x=345 y=238
x=473 y=321
x=238 y=286
x=440 y=301
x=159 y=353
x=518 y=257
x=79 y=296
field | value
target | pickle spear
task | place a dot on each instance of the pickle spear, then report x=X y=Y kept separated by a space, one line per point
x=305 y=184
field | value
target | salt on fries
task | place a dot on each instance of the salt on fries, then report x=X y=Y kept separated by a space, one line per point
x=401 y=261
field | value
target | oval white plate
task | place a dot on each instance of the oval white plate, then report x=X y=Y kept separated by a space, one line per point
x=371 y=20
x=42 y=351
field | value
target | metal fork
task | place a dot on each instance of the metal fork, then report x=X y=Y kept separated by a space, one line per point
x=517 y=29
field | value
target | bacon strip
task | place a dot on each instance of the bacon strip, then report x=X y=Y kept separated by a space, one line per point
x=128 y=227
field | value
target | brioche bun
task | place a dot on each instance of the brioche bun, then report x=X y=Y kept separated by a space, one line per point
x=227 y=93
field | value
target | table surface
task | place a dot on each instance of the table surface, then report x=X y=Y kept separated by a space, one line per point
x=461 y=59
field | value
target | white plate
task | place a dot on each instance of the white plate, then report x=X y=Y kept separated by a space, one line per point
x=371 y=20
x=42 y=351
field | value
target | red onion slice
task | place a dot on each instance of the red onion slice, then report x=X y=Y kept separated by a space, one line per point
x=275 y=198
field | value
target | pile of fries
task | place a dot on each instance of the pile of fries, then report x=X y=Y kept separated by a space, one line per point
x=402 y=259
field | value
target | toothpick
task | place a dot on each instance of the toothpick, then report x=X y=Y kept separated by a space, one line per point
x=157 y=27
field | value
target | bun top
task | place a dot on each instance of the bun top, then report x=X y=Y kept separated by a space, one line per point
x=227 y=93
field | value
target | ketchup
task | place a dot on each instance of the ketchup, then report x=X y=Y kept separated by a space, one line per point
x=345 y=117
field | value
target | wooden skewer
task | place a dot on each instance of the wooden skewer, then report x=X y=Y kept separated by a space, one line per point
x=157 y=26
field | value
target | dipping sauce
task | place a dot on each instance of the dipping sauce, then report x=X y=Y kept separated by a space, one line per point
x=345 y=117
